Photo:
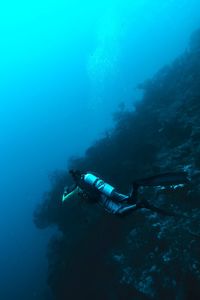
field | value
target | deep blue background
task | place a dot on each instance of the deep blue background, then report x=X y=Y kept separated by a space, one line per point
x=64 y=69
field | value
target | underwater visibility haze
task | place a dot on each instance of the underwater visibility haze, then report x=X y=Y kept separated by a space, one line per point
x=111 y=87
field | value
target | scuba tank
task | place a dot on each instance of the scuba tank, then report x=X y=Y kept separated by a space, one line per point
x=98 y=184
x=92 y=184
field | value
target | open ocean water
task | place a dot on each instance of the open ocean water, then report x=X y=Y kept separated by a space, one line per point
x=65 y=68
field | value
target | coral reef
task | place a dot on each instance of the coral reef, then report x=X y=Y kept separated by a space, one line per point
x=145 y=255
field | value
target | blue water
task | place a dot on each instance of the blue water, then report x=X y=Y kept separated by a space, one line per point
x=65 y=67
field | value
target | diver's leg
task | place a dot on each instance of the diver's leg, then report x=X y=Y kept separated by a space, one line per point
x=143 y=203
x=133 y=198
x=118 y=197
x=124 y=210
x=109 y=205
x=115 y=207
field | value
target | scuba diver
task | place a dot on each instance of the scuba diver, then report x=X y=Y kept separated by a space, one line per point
x=90 y=187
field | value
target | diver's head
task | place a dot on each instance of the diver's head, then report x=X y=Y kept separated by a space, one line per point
x=76 y=175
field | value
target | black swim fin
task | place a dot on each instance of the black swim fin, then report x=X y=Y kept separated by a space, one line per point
x=145 y=204
x=163 y=179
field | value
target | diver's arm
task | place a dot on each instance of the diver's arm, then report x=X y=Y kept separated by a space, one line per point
x=68 y=190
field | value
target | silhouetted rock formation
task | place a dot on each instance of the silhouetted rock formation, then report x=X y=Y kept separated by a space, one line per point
x=145 y=255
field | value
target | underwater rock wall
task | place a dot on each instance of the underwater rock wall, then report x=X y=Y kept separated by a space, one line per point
x=145 y=255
